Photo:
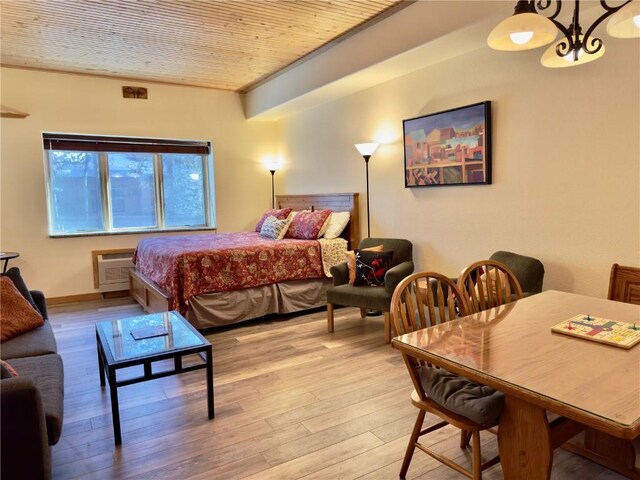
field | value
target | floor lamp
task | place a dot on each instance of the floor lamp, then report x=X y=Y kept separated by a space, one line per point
x=273 y=192
x=273 y=165
x=366 y=150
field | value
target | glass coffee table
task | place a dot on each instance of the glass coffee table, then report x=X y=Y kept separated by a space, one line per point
x=145 y=340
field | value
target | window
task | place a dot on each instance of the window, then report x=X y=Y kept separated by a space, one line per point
x=99 y=185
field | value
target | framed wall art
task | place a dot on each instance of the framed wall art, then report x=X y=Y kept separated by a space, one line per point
x=448 y=148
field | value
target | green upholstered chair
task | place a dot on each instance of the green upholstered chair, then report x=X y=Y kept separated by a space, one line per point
x=488 y=284
x=528 y=270
x=366 y=297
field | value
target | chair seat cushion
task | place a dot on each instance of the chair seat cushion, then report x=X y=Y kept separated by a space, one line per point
x=476 y=402
x=373 y=298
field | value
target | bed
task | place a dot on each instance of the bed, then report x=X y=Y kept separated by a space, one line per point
x=188 y=273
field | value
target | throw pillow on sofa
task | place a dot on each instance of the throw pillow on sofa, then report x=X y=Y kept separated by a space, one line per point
x=17 y=315
x=7 y=371
x=14 y=274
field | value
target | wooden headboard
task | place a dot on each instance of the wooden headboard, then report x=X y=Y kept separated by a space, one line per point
x=338 y=202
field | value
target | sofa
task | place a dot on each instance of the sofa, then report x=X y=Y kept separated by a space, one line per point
x=31 y=403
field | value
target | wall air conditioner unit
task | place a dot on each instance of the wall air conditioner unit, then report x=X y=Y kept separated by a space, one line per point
x=113 y=271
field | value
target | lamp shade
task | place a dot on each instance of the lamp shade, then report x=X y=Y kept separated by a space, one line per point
x=551 y=59
x=273 y=163
x=625 y=23
x=366 y=149
x=522 y=31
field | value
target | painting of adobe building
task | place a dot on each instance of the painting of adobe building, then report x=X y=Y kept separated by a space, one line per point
x=449 y=148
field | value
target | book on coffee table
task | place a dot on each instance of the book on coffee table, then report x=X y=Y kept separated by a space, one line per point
x=149 y=332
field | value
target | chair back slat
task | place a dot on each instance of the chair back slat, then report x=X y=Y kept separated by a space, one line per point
x=488 y=284
x=425 y=299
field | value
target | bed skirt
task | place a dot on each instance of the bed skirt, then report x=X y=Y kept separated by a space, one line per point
x=218 y=309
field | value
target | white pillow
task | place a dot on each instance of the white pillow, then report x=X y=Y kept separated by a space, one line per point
x=274 y=228
x=337 y=223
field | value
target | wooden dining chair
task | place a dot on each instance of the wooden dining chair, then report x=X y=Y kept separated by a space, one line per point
x=624 y=284
x=422 y=300
x=487 y=284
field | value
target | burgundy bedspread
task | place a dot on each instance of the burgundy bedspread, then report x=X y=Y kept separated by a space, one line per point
x=188 y=265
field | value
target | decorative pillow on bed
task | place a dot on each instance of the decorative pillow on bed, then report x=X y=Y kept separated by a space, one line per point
x=307 y=225
x=279 y=213
x=371 y=267
x=337 y=223
x=17 y=315
x=351 y=261
x=274 y=228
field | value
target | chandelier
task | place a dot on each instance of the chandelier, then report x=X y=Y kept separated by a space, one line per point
x=528 y=29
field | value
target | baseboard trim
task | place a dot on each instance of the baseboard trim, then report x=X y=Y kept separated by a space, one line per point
x=86 y=297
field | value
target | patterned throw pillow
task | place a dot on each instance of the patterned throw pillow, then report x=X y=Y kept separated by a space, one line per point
x=351 y=261
x=274 y=228
x=17 y=315
x=279 y=213
x=371 y=267
x=308 y=225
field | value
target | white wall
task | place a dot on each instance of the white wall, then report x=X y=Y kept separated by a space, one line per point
x=82 y=104
x=566 y=162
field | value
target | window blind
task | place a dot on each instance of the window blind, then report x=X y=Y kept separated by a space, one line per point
x=95 y=143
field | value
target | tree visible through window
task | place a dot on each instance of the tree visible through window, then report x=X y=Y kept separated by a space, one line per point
x=183 y=179
x=111 y=185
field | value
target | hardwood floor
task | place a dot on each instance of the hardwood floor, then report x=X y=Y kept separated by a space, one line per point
x=291 y=402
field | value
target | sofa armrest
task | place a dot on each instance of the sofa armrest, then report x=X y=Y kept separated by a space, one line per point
x=41 y=302
x=340 y=274
x=25 y=445
x=396 y=274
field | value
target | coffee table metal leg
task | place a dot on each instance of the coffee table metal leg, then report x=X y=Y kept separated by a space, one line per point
x=100 y=361
x=115 y=409
x=209 y=371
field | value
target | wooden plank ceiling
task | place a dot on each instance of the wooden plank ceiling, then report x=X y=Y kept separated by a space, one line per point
x=225 y=44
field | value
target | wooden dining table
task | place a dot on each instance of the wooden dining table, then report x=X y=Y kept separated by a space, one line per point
x=556 y=386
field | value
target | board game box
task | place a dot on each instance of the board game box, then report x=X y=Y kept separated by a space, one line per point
x=602 y=330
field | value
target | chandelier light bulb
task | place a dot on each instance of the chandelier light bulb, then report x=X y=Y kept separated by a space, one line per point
x=522 y=31
x=636 y=21
x=570 y=58
x=520 y=38
x=551 y=59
